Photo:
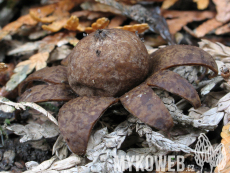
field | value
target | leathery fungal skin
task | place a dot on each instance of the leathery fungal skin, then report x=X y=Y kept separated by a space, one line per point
x=110 y=66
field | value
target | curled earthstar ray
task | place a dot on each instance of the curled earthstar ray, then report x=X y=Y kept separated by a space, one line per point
x=44 y=93
x=53 y=75
x=142 y=102
x=77 y=117
x=178 y=55
x=174 y=83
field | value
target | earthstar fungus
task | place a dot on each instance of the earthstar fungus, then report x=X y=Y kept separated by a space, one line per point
x=111 y=65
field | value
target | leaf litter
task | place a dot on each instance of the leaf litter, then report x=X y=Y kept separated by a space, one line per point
x=62 y=24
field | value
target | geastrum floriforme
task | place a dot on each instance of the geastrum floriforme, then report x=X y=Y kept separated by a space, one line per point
x=113 y=65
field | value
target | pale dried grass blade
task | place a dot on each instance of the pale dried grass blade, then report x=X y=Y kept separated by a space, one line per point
x=40 y=109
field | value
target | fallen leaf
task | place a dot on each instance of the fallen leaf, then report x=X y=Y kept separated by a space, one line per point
x=13 y=27
x=90 y=15
x=225 y=134
x=137 y=27
x=56 y=25
x=116 y=21
x=3 y=66
x=58 y=15
x=178 y=19
x=34 y=131
x=40 y=13
x=92 y=6
x=60 y=53
x=38 y=60
x=69 y=162
x=136 y=1
x=7 y=108
x=24 y=49
x=168 y=3
x=60 y=148
x=72 y=23
x=223 y=10
x=35 y=167
x=223 y=29
x=17 y=78
x=217 y=50
x=101 y=23
x=206 y=27
x=202 y=4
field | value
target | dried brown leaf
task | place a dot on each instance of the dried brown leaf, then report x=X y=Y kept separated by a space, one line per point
x=137 y=27
x=55 y=26
x=223 y=10
x=206 y=27
x=37 y=61
x=3 y=67
x=202 y=4
x=182 y=18
x=217 y=50
x=116 y=21
x=40 y=13
x=225 y=134
x=168 y=3
x=101 y=23
x=72 y=23
x=136 y=1
x=91 y=15
x=58 y=15
x=92 y=6
x=223 y=29
x=13 y=27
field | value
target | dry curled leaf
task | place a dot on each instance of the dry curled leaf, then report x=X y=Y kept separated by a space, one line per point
x=52 y=12
x=177 y=19
x=55 y=26
x=58 y=14
x=202 y=4
x=39 y=60
x=13 y=27
x=90 y=15
x=222 y=7
x=168 y=3
x=206 y=27
x=34 y=131
x=217 y=50
x=116 y=21
x=40 y=13
x=92 y=6
x=72 y=23
x=225 y=134
x=137 y=27
x=101 y=23
x=136 y=1
x=223 y=29
x=3 y=66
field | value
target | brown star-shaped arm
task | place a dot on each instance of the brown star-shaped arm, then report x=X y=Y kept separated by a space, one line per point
x=143 y=103
x=77 y=117
x=178 y=55
x=43 y=93
x=174 y=83
x=52 y=75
